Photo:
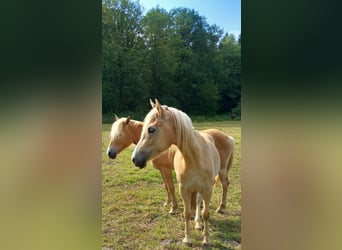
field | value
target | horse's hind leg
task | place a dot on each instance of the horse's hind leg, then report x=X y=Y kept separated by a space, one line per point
x=171 y=189
x=223 y=174
x=193 y=203
x=224 y=183
x=198 y=211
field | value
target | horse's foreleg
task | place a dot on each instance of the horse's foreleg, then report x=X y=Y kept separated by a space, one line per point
x=205 y=216
x=186 y=197
x=171 y=190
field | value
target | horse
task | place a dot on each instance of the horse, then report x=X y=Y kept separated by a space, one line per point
x=197 y=160
x=126 y=131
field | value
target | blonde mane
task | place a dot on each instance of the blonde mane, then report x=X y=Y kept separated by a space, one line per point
x=184 y=130
x=117 y=127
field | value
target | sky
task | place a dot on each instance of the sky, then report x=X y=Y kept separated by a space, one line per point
x=224 y=13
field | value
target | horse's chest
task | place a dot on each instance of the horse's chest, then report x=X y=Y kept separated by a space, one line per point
x=193 y=178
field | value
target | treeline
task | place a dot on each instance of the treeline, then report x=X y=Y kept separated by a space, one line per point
x=175 y=56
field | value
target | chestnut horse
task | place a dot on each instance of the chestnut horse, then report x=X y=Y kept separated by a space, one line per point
x=126 y=131
x=196 y=161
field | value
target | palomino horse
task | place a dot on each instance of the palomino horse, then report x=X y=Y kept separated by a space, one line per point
x=196 y=163
x=126 y=131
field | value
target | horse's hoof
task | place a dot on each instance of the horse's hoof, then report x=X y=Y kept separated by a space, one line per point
x=188 y=244
x=172 y=212
x=205 y=245
x=220 y=211
x=198 y=227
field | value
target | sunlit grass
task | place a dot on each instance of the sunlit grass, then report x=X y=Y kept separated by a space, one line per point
x=133 y=215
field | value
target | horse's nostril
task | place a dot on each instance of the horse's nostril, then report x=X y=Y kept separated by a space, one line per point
x=111 y=154
x=133 y=159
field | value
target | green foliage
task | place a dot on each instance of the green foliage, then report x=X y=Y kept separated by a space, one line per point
x=228 y=70
x=160 y=60
x=174 y=56
x=122 y=55
x=237 y=110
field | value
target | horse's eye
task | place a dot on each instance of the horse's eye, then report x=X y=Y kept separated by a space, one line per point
x=151 y=130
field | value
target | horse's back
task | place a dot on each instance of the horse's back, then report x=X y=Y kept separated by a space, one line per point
x=211 y=152
x=224 y=143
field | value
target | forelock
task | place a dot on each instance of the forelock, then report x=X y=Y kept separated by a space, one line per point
x=150 y=116
x=117 y=128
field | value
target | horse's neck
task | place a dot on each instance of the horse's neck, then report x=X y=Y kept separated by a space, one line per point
x=135 y=129
x=191 y=153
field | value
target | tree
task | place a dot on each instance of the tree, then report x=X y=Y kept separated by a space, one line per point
x=160 y=57
x=174 y=56
x=194 y=52
x=122 y=49
x=228 y=68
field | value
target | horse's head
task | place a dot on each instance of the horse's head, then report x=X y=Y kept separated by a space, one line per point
x=158 y=134
x=120 y=138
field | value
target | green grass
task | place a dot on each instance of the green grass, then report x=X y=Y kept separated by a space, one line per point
x=133 y=215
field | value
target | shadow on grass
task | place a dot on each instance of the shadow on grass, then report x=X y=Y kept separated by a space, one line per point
x=224 y=234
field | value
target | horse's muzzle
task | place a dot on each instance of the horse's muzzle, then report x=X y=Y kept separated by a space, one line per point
x=111 y=154
x=139 y=159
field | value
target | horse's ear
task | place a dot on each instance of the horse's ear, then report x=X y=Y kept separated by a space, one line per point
x=116 y=117
x=159 y=107
x=152 y=104
x=127 y=120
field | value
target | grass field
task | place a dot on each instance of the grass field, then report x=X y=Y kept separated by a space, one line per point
x=133 y=215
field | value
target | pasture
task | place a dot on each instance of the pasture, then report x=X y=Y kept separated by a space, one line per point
x=133 y=215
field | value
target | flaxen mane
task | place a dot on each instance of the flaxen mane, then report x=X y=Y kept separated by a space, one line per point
x=184 y=128
x=117 y=127
x=183 y=124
